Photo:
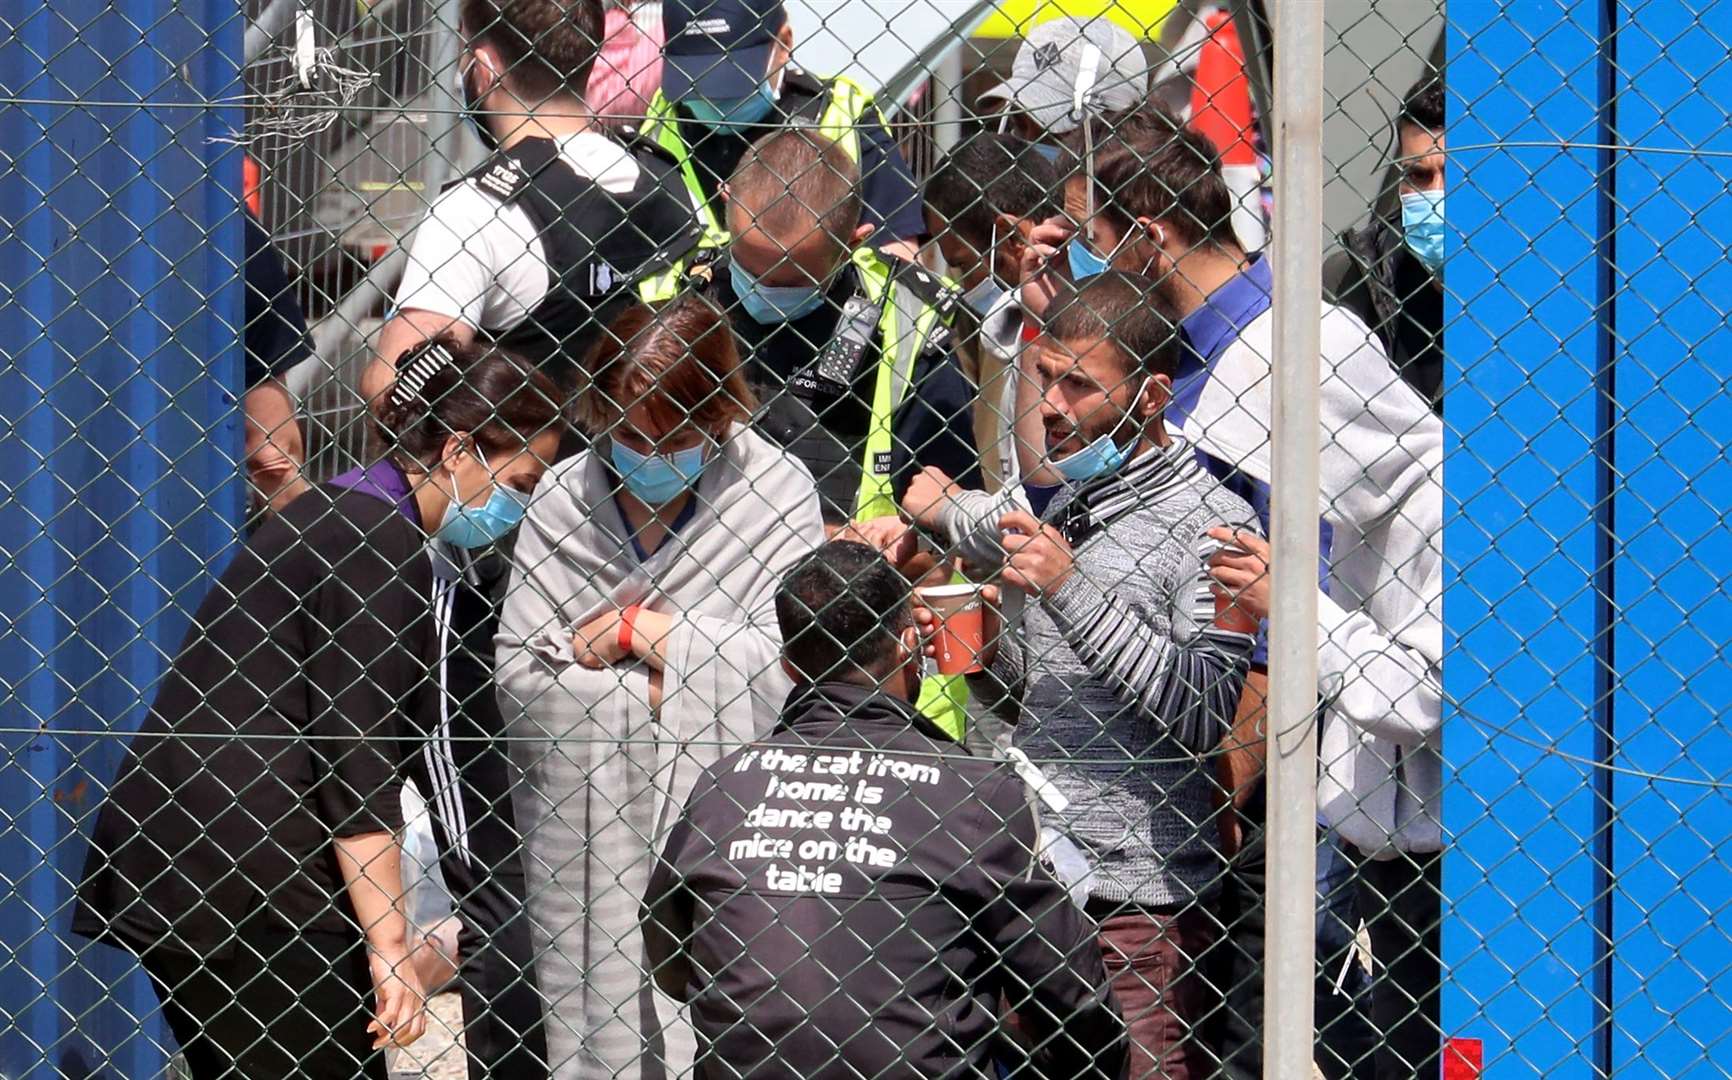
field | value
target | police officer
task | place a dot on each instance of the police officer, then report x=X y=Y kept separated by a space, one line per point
x=563 y=224
x=727 y=80
x=850 y=353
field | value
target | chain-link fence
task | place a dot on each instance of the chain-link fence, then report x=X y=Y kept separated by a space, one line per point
x=603 y=538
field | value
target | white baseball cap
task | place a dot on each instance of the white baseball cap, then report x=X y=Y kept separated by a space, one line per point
x=1059 y=55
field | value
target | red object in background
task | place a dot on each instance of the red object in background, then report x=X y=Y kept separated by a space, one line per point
x=1463 y=1059
x=252 y=181
x=628 y=69
x=1221 y=94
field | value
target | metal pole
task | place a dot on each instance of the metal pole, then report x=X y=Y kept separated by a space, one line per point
x=947 y=102
x=273 y=20
x=1290 y=950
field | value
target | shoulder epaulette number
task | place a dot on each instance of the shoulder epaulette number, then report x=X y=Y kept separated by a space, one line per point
x=502 y=177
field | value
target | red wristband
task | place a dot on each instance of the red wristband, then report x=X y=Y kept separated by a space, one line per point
x=627 y=619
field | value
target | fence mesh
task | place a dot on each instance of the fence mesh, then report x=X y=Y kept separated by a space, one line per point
x=749 y=559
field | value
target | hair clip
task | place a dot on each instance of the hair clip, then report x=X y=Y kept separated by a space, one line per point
x=413 y=378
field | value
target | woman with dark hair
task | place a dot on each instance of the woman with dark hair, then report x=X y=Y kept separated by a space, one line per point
x=247 y=850
x=638 y=643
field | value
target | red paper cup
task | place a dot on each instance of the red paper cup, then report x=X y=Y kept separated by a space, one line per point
x=961 y=626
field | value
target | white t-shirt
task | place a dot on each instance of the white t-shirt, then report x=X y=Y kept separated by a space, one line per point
x=473 y=259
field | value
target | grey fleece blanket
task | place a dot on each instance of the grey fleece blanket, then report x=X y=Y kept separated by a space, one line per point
x=603 y=776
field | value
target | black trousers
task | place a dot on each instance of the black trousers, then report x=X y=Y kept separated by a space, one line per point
x=285 y=1005
x=461 y=765
x=1401 y=900
x=1346 y=1040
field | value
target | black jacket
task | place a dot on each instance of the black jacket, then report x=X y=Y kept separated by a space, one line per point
x=1378 y=279
x=878 y=934
x=275 y=729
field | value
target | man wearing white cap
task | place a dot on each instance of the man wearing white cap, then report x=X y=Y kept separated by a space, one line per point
x=1065 y=60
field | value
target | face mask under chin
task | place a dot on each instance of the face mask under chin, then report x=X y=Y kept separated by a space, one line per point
x=771 y=304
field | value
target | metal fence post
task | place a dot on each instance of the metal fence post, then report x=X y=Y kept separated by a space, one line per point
x=1292 y=860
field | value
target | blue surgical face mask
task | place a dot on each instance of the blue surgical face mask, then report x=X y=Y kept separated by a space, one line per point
x=477 y=526
x=987 y=291
x=981 y=298
x=771 y=304
x=746 y=110
x=658 y=479
x=1422 y=226
x=1102 y=456
x=1084 y=263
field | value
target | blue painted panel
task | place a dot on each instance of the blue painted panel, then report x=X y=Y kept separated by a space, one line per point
x=1673 y=972
x=118 y=449
x=1520 y=481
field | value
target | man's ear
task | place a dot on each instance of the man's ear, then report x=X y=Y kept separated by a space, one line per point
x=792 y=671
x=1156 y=394
x=1155 y=235
x=488 y=67
x=1012 y=234
x=910 y=638
x=861 y=232
x=781 y=56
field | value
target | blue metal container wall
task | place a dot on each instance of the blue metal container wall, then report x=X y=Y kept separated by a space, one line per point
x=119 y=440
x=1590 y=354
x=1520 y=473
x=1672 y=976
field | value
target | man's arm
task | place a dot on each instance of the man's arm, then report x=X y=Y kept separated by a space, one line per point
x=1240 y=758
x=935 y=425
x=1048 y=959
x=889 y=190
x=472 y=262
x=1391 y=685
x=1188 y=687
x=1387 y=681
x=667 y=916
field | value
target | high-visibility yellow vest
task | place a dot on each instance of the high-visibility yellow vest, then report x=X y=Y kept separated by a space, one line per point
x=906 y=325
x=846 y=103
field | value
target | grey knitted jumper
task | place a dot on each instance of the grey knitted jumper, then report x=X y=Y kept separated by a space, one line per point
x=1118 y=682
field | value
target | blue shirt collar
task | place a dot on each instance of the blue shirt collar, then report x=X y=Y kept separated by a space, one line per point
x=1208 y=331
x=1228 y=310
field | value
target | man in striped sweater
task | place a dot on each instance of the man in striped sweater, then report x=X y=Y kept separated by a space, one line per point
x=1123 y=673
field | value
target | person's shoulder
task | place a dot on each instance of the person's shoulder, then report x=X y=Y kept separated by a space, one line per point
x=612 y=160
x=499 y=179
x=482 y=201
x=1347 y=343
x=930 y=289
x=340 y=521
x=802 y=84
x=773 y=473
x=566 y=484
